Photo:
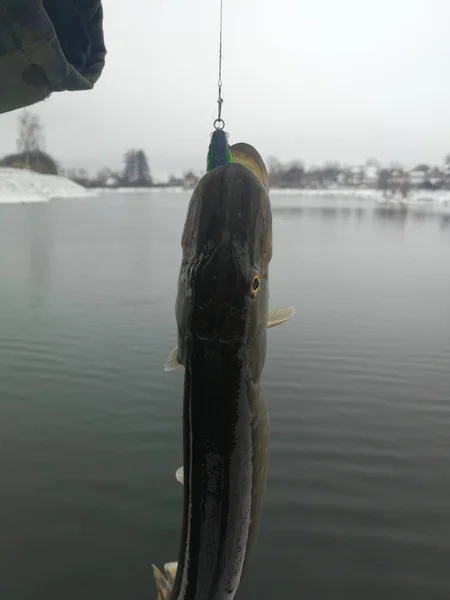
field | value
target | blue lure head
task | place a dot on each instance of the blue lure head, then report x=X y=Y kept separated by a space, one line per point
x=218 y=152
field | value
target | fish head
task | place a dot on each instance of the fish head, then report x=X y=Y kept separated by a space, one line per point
x=227 y=246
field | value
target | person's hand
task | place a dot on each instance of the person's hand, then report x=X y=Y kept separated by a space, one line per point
x=48 y=46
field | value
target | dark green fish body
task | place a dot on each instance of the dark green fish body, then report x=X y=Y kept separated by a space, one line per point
x=222 y=318
x=227 y=242
x=219 y=153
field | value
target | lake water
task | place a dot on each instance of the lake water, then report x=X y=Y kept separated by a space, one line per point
x=358 y=385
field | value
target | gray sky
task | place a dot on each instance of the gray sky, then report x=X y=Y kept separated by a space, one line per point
x=316 y=80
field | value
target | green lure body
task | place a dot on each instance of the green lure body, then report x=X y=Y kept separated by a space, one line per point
x=219 y=152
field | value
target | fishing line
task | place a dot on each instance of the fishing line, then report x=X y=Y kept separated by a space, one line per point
x=219 y=123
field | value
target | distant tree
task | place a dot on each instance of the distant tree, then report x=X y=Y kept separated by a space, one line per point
x=136 y=169
x=331 y=171
x=80 y=176
x=36 y=161
x=29 y=153
x=275 y=171
x=424 y=168
x=447 y=159
x=383 y=181
x=333 y=165
x=145 y=179
x=103 y=175
x=373 y=162
x=190 y=180
x=293 y=174
x=174 y=181
x=404 y=186
x=30 y=133
x=273 y=165
x=129 y=172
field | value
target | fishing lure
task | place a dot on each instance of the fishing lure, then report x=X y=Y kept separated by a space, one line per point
x=219 y=152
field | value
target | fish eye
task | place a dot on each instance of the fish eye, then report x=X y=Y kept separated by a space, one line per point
x=254 y=286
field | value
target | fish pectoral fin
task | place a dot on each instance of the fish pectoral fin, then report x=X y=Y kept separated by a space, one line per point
x=179 y=475
x=171 y=571
x=172 y=361
x=277 y=316
x=163 y=585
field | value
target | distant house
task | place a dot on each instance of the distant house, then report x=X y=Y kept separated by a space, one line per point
x=312 y=179
x=190 y=180
x=342 y=177
x=396 y=177
x=356 y=175
x=174 y=181
x=418 y=175
x=426 y=177
x=371 y=173
x=446 y=174
x=112 y=181
x=436 y=177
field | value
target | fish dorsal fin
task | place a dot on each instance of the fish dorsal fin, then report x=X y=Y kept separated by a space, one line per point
x=277 y=316
x=247 y=155
x=172 y=360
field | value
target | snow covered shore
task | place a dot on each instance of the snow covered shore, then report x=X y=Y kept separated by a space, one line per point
x=21 y=185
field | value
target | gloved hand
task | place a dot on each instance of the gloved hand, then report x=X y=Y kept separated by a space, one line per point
x=48 y=46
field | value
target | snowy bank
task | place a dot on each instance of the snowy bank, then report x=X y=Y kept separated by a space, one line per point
x=21 y=185
x=142 y=190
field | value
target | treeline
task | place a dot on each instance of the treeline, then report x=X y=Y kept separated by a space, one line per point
x=371 y=174
x=135 y=171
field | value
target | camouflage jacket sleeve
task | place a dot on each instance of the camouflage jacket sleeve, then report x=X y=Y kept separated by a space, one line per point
x=48 y=46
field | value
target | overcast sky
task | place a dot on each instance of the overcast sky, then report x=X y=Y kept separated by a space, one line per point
x=315 y=80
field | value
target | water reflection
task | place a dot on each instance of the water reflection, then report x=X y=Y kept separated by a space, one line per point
x=359 y=212
x=328 y=212
x=381 y=213
x=38 y=244
x=422 y=215
x=445 y=221
x=397 y=214
x=391 y=214
x=357 y=385
x=288 y=211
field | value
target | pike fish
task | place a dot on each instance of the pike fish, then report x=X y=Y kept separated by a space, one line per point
x=222 y=317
